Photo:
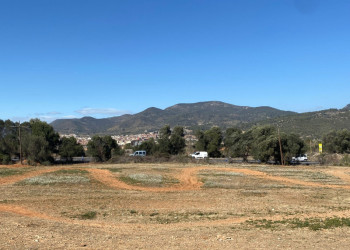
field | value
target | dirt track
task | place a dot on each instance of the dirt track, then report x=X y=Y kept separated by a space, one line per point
x=187 y=177
x=191 y=186
x=188 y=181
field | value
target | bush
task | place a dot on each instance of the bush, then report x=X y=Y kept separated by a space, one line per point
x=334 y=159
x=345 y=161
x=5 y=159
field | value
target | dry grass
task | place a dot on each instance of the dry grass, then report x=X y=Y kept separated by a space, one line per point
x=68 y=208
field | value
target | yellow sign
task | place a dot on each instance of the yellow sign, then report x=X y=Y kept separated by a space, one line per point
x=320 y=147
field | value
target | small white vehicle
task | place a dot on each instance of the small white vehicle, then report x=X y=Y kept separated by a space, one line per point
x=199 y=155
x=300 y=158
x=139 y=153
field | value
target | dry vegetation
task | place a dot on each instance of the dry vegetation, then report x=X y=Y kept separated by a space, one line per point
x=176 y=206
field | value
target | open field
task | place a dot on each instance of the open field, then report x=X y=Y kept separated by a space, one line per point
x=176 y=206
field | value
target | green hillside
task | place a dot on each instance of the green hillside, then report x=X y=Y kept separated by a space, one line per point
x=193 y=115
x=204 y=115
x=313 y=124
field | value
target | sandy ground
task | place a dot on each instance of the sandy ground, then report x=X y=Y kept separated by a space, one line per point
x=172 y=206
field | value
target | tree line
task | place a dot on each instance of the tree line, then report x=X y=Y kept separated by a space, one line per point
x=37 y=142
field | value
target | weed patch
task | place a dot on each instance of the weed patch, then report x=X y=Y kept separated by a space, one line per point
x=4 y=172
x=311 y=223
x=70 y=171
x=148 y=180
x=55 y=179
x=183 y=217
x=88 y=215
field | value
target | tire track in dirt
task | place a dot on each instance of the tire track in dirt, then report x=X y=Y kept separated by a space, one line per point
x=188 y=178
x=188 y=181
x=263 y=175
x=24 y=212
x=21 y=211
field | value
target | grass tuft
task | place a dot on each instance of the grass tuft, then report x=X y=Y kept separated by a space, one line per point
x=88 y=215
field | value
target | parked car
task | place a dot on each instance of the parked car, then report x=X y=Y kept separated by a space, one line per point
x=139 y=153
x=300 y=158
x=199 y=155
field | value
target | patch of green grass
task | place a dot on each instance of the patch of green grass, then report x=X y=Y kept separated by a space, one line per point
x=170 y=181
x=4 y=172
x=219 y=184
x=265 y=224
x=305 y=175
x=129 y=180
x=6 y=201
x=132 y=211
x=311 y=223
x=148 y=180
x=50 y=179
x=220 y=174
x=63 y=176
x=88 y=215
x=70 y=171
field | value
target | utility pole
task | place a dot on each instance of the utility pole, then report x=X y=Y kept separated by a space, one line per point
x=279 y=140
x=19 y=139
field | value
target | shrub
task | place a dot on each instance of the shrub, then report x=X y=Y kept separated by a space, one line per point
x=88 y=215
x=5 y=159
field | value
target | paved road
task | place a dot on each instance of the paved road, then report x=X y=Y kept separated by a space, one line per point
x=227 y=160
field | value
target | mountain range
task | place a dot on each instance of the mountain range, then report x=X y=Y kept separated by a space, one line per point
x=203 y=115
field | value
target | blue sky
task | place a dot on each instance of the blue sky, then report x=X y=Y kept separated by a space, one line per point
x=72 y=58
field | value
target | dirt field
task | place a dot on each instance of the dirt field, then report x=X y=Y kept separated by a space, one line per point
x=174 y=206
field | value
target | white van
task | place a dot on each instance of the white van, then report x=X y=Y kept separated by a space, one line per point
x=139 y=153
x=199 y=155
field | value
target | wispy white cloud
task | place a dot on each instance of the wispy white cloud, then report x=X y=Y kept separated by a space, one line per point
x=46 y=116
x=100 y=111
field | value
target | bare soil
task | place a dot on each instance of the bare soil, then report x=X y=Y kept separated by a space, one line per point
x=213 y=206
